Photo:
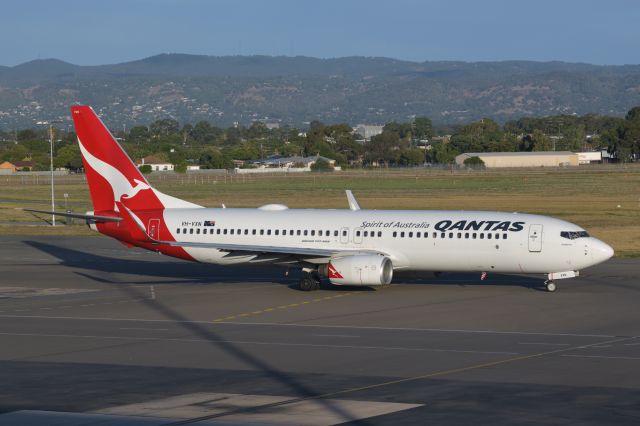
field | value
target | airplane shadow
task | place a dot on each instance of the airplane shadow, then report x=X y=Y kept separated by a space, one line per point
x=172 y=271
x=196 y=274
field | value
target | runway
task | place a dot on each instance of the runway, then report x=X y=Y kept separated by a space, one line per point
x=92 y=331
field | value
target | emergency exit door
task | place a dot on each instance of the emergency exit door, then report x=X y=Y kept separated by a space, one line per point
x=535 y=238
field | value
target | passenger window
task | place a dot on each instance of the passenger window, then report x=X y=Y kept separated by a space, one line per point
x=410 y=234
x=357 y=233
x=313 y=232
x=488 y=236
x=344 y=233
x=246 y=232
x=395 y=234
x=327 y=233
x=497 y=236
x=191 y=230
x=231 y=231
x=426 y=235
x=504 y=236
x=184 y=230
x=178 y=231
x=298 y=232
x=459 y=234
x=224 y=231
x=277 y=232
x=320 y=233
x=442 y=235
x=402 y=234
x=379 y=233
x=335 y=233
x=466 y=235
x=268 y=231
x=253 y=232
x=474 y=235
x=218 y=231
x=262 y=232
x=366 y=233
x=482 y=235
x=306 y=232
x=435 y=235
x=450 y=234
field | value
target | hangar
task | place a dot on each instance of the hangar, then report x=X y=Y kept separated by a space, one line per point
x=522 y=159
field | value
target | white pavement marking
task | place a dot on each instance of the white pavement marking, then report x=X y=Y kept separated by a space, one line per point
x=543 y=343
x=273 y=324
x=602 y=356
x=249 y=342
x=230 y=408
x=346 y=336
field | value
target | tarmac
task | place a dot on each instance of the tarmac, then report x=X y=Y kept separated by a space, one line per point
x=92 y=332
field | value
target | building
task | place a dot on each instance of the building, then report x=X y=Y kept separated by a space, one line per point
x=277 y=164
x=522 y=159
x=589 y=157
x=16 y=166
x=156 y=164
x=367 y=131
x=288 y=162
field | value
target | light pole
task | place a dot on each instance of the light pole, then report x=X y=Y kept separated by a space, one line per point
x=53 y=204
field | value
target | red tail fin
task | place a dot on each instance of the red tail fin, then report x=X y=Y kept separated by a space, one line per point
x=111 y=174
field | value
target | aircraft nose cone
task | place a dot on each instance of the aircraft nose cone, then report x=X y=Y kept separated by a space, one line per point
x=601 y=251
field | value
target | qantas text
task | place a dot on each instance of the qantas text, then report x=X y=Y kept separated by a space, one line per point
x=479 y=225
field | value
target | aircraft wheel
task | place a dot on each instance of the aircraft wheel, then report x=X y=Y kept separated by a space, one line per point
x=308 y=283
x=550 y=286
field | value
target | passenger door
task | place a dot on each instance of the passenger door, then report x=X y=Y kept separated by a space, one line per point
x=357 y=235
x=535 y=238
x=153 y=228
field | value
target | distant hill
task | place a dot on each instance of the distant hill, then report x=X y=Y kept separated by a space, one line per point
x=295 y=90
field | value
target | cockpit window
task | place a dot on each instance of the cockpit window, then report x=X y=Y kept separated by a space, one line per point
x=572 y=235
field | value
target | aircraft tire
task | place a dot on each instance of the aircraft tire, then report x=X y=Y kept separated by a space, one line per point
x=309 y=284
x=550 y=286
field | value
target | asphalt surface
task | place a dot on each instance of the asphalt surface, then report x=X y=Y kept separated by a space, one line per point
x=89 y=326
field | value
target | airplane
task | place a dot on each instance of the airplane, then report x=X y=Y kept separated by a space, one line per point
x=354 y=247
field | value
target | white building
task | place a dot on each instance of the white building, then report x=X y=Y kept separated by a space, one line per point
x=522 y=159
x=156 y=164
x=367 y=131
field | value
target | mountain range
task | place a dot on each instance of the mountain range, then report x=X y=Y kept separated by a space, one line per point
x=297 y=90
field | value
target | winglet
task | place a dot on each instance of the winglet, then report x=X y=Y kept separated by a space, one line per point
x=353 y=203
x=136 y=229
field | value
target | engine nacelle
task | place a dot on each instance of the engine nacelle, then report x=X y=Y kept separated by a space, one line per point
x=360 y=269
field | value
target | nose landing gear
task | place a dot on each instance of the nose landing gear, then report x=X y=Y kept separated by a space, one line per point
x=550 y=286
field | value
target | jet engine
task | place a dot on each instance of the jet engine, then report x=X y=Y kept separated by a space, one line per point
x=361 y=269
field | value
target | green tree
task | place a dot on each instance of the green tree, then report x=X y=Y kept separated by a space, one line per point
x=68 y=156
x=321 y=165
x=474 y=162
x=145 y=169
x=422 y=127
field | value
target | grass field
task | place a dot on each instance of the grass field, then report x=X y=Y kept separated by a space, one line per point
x=605 y=200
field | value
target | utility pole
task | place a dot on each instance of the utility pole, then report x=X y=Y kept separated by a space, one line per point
x=53 y=204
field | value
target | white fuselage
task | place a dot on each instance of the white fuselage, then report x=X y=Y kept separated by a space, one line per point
x=413 y=240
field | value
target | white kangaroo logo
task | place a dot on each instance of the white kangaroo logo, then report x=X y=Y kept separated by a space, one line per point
x=122 y=188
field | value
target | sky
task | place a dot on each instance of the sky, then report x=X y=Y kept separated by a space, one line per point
x=93 y=32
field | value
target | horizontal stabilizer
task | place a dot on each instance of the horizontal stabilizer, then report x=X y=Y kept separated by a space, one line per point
x=94 y=217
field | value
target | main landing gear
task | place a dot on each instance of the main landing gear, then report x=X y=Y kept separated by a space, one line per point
x=550 y=286
x=310 y=281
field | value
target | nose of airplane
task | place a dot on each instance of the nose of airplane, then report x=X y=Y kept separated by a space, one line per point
x=600 y=251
